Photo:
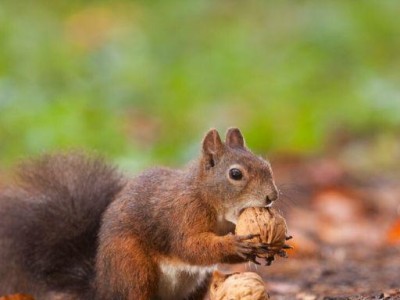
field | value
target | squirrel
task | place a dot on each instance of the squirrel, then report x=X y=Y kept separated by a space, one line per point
x=74 y=227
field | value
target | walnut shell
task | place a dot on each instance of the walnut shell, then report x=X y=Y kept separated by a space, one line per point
x=266 y=222
x=237 y=286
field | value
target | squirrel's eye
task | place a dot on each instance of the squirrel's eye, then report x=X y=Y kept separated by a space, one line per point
x=235 y=174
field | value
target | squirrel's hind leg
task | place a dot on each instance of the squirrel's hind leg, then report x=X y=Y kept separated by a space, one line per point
x=125 y=270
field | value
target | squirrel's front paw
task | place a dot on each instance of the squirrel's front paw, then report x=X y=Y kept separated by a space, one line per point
x=249 y=250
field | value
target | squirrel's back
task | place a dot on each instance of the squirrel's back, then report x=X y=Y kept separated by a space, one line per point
x=49 y=223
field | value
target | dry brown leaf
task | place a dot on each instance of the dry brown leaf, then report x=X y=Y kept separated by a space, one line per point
x=303 y=246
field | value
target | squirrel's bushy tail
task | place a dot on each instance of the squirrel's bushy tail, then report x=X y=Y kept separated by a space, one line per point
x=49 y=222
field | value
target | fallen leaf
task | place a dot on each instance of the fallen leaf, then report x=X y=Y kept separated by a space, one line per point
x=393 y=235
x=17 y=297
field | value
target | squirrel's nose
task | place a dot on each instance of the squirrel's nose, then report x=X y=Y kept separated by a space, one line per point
x=273 y=196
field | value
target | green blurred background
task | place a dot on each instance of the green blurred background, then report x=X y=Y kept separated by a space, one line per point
x=141 y=81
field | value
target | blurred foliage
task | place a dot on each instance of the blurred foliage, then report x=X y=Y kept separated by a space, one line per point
x=143 y=80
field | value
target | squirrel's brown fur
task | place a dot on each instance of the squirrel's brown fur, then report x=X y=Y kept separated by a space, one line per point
x=160 y=236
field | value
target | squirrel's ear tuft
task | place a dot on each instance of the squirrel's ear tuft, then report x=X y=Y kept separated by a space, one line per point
x=212 y=147
x=234 y=138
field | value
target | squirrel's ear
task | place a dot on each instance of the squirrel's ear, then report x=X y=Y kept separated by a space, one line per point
x=234 y=138
x=212 y=147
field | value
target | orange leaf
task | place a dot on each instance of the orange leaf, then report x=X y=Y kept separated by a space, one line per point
x=17 y=297
x=393 y=235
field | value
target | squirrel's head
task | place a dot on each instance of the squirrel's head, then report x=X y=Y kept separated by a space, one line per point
x=234 y=177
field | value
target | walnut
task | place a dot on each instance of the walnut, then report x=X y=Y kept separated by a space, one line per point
x=270 y=227
x=237 y=286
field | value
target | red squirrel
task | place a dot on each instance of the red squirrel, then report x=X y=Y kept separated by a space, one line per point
x=73 y=227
